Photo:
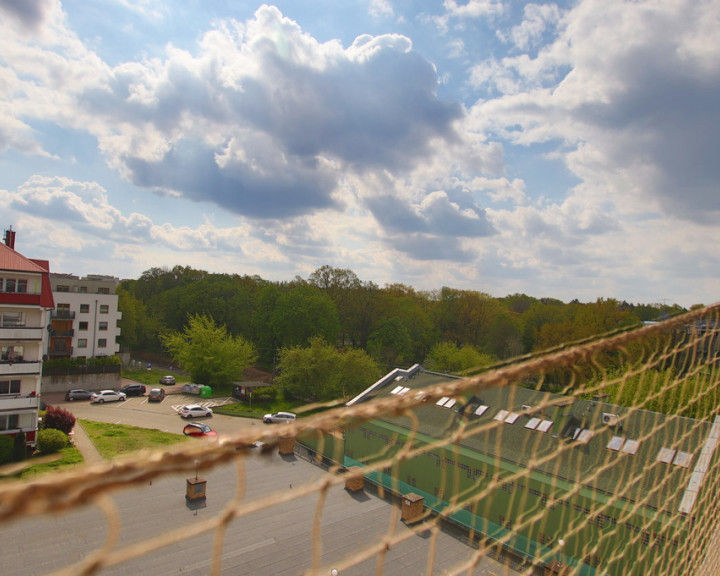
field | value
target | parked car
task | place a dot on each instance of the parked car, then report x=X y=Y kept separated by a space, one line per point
x=156 y=395
x=168 y=380
x=107 y=396
x=133 y=390
x=197 y=430
x=194 y=411
x=279 y=417
x=77 y=394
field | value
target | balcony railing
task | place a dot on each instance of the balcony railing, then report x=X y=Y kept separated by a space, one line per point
x=21 y=333
x=62 y=315
x=18 y=402
x=67 y=351
x=23 y=367
x=62 y=333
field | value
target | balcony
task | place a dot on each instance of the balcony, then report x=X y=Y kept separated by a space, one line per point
x=16 y=368
x=62 y=315
x=21 y=333
x=19 y=402
x=69 y=333
x=61 y=352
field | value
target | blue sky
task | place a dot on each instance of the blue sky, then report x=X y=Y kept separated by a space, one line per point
x=567 y=150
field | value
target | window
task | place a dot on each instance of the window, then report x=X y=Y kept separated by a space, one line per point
x=10 y=422
x=9 y=386
x=62 y=288
x=12 y=353
x=84 y=308
x=22 y=286
x=102 y=326
x=83 y=326
x=82 y=289
x=103 y=291
x=102 y=343
x=82 y=342
x=8 y=319
x=104 y=308
x=10 y=285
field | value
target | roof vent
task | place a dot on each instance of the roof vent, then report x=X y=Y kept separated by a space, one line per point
x=610 y=419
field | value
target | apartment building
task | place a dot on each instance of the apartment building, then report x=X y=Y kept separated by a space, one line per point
x=25 y=303
x=84 y=322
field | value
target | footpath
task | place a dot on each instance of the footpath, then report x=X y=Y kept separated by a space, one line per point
x=82 y=442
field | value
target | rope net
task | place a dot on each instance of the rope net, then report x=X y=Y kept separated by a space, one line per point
x=594 y=458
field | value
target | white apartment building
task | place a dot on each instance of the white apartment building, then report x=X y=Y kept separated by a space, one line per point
x=25 y=304
x=85 y=320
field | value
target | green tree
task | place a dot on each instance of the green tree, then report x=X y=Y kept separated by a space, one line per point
x=450 y=358
x=19 y=447
x=321 y=372
x=139 y=330
x=390 y=343
x=208 y=352
x=304 y=312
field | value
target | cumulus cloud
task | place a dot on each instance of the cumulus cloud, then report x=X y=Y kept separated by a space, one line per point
x=265 y=119
x=30 y=14
x=645 y=105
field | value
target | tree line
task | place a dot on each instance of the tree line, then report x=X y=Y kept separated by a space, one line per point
x=446 y=329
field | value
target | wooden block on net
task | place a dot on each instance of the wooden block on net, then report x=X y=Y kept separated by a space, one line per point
x=353 y=482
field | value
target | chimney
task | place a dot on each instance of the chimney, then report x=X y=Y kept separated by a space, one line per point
x=10 y=238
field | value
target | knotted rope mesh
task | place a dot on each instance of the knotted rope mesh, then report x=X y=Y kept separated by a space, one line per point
x=598 y=457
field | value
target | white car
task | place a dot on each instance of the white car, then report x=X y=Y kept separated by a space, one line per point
x=279 y=417
x=107 y=396
x=194 y=411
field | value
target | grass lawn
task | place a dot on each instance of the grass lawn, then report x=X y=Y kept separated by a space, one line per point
x=113 y=440
x=151 y=378
x=68 y=456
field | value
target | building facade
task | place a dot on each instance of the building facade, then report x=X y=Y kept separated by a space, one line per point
x=84 y=323
x=25 y=303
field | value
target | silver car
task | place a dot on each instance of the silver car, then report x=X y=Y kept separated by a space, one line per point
x=279 y=417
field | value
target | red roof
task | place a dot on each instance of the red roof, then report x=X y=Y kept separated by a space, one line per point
x=11 y=260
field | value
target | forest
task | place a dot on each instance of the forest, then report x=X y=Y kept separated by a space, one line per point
x=395 y=325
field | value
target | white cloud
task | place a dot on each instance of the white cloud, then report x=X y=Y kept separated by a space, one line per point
x=537 y=19
x=644 y=103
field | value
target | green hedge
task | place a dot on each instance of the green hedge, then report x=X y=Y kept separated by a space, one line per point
x=50 y=440
x=6 y=449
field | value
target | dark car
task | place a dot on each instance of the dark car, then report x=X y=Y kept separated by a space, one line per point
x=167 y=380
x=133 y=390
x=77 y=394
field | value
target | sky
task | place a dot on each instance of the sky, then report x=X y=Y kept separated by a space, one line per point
x=568 y=150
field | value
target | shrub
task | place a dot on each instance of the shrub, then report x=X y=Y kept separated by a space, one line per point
x=19 y=447
x=50 y=440
x=59 y=419
x=6 y=449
